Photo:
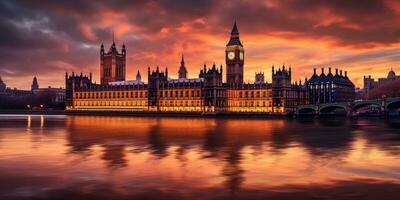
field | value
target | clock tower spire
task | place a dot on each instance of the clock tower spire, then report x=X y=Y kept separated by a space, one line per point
x=234 y=57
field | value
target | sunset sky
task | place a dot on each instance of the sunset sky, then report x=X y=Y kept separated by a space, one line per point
x=48 y=38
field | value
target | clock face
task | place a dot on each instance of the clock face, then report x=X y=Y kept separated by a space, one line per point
x=241 y=56
x=231 y=55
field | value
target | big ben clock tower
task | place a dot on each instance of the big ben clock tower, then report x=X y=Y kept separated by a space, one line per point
x=234 y=56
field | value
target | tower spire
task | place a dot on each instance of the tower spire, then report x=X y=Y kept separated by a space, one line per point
x=35 y=84
x=235 y=30
x=138 y=76
x=234 y=39
x=182 y=73
x=113 y=38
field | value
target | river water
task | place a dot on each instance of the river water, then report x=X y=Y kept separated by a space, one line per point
x=92 y=157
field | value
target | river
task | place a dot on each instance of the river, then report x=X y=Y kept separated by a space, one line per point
x=94 y=157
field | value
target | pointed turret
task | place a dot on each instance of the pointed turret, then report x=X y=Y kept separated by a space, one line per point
x=182 y=73
x=182 y=61
x=123 y=49
x=138 y=77
x=35 y=84
x=234 y=40
x=235 y=30
x=113 y=47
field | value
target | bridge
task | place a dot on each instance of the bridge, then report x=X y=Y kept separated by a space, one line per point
x=386 y=107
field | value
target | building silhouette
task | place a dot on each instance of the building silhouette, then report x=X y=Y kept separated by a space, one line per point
x=13 y=98
x=370 y=83
x=138 y=76
x=206 y=93
x=330 y=88
x=3 y=86
x=234 y=56
x=112 y=64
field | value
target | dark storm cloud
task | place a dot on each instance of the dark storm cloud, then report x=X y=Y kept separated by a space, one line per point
x=57 y=36
x=351 y=23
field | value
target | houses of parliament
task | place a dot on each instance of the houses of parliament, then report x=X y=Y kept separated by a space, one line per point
x=206 y=93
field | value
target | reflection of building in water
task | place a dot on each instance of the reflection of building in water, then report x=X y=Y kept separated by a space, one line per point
x=156 y=142
x=115 y=155
x=336 y=140
x=205 y=93
x=232 y=171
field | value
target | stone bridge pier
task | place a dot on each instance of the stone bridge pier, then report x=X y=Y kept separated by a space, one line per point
x=387 y=107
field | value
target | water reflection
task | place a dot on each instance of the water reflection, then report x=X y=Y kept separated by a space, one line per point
x=235 y=158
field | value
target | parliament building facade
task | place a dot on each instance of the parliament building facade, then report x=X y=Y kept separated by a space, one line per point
x=206 y=93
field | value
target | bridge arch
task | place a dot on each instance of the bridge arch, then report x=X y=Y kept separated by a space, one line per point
x=393 y=107
x=326 y=109
x=306 y=110
x=365 y=104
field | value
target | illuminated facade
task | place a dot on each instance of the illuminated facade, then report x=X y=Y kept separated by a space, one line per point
x=250 y=98
x=330 y=88
x=205 y=94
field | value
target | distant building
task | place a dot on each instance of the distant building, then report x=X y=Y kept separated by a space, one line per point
x=3 y=86
x=330 y=88
x=112 y=64
x=36 y=97
x=370 y=83
x=56 y=96
x=5 y=91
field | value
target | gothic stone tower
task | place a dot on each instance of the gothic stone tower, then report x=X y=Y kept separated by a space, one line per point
x=234 y=56
x=112 y=64
x=214 y=92
x=155 y=79
x=281 y=82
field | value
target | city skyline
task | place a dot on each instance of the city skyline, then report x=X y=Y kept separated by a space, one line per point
x=50 y=39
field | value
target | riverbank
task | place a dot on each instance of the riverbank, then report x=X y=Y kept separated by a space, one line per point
x=144 y=114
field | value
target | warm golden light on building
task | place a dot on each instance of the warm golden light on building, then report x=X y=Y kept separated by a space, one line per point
x=205 y=94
